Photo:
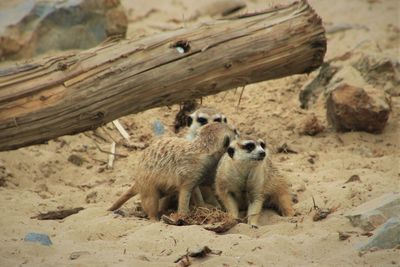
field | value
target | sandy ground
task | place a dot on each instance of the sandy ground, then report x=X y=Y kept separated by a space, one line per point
x=40 y=178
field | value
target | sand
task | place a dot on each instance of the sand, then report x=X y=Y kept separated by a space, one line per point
x=40 y=178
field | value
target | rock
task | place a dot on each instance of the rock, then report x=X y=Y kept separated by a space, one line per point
x=91 y=197
x=32 y=27
x=387 y=236
x=76 y=159
x=353 y=178
x=311 y=90
x=380 y=71
x=311 y=126
x=77 y=254
x=351 y=108
x=373 y=213
x=38 y=238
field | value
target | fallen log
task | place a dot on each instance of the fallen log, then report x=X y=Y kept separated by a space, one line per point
x=77 y=91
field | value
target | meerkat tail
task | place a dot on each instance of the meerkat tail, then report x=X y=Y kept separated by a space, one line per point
x=132 y=191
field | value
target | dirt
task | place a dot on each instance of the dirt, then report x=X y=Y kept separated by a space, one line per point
x=39 y=179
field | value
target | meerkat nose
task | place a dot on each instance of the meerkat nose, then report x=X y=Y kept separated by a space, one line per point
x=261 y=154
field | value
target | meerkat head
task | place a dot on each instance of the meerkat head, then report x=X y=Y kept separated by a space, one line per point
x=201 y=117
x=216 y=136
x=248 y=148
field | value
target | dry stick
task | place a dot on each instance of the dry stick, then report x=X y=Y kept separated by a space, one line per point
x=57 y=215
x=111 y=156
x=315 y=206
x=121 y=129
x=107 y=152
x=240 y=97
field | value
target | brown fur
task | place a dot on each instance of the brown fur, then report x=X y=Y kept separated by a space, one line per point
x=175 y=165
x=242 y=183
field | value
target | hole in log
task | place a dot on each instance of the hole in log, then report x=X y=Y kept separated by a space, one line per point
x=99 y=115
x=228 y=65
x=182 y=46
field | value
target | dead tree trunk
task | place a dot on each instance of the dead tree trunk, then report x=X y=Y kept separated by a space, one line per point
x=74 y=92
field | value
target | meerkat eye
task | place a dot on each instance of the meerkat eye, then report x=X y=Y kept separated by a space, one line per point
x=202 y=121
x=218 y=119
x=189 y=121
x=262 y=144
x=250 y=147
x=225 y=120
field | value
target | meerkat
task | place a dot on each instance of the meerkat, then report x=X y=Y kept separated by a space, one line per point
x=175 y=165
x=245 y=178
x=202 y=116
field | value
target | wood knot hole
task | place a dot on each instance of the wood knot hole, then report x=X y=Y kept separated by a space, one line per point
x=182 y=46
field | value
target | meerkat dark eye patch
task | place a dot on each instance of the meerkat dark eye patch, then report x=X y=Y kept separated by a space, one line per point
x=225 y=120
x=231 y=151
x=218 y=119
x=249 y=147
x=227 y=141
x=189 y=121
x=202 y=121
x=262 y=144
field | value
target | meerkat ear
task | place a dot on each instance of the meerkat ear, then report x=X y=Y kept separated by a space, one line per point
x=227 y=141
x=231 y=151
x=189 y=121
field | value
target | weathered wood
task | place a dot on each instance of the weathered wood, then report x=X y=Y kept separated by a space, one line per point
x=73 y=92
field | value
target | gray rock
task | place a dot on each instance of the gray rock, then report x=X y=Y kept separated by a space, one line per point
x=375 y=212
x=32 y=27
x=387 y=236
x=38 y=238
x=380 y=71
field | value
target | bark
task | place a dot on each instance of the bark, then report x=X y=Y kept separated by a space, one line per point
x=77 y=91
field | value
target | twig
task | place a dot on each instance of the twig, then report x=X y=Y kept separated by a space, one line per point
x=57 y=215
x=107 y=152
x=240 y=97
x=121 y=129
x=111 y=156
x=315 y=206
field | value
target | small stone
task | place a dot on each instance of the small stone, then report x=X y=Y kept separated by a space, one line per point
x=353 y=178
x=91 y=197
x=351 y=108
x=373 y=213
x=76 y=160
x=343 y=236
x=311 y=126
x=38 y=238
x=77 y=254
x=387 y=236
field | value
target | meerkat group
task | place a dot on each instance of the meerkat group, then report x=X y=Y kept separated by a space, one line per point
x=213 y=162
x=176 y=166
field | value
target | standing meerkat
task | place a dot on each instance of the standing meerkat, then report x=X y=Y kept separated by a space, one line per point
x=245 y=178
x=174 y=165
x=202 y=116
